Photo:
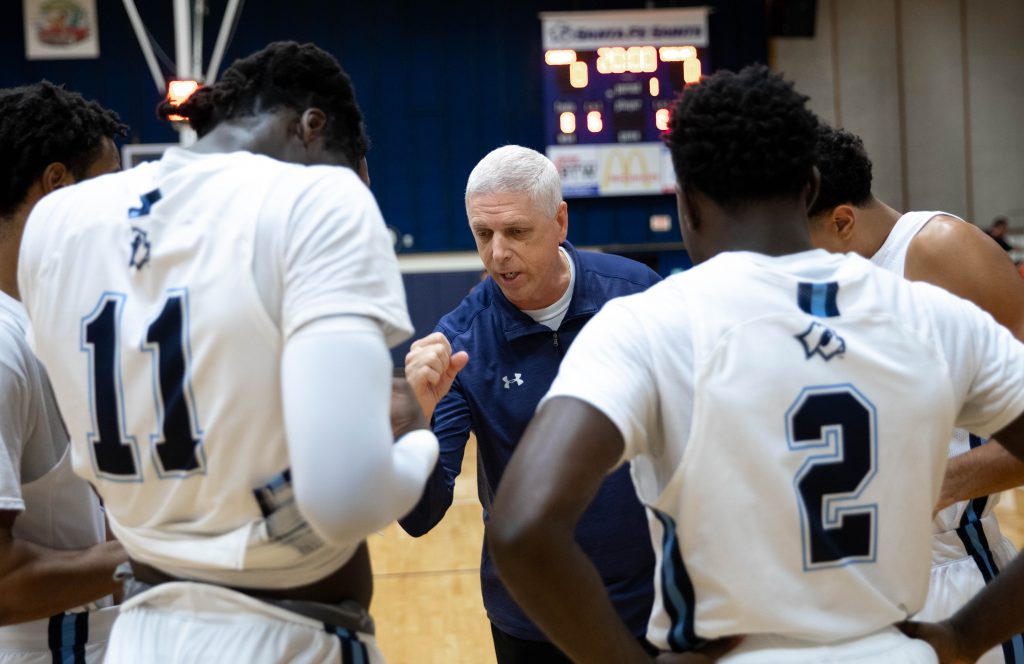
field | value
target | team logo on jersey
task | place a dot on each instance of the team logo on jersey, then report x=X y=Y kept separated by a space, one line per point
x=821 y=340
x=147 y=201
x=517 y=380
x=140 y=248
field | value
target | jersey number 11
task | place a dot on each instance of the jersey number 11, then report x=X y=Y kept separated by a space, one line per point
x=176 y=447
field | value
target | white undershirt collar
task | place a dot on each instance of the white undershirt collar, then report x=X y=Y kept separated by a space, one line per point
x=552 y=315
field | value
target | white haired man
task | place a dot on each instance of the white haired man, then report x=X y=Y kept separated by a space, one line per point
x=489 y=361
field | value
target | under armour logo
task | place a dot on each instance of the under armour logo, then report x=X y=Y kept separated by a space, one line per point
x=821 y=340
x=518 y=380
x=140 y=248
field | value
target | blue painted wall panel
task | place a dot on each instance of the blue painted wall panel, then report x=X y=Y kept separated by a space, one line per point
x=441 y=84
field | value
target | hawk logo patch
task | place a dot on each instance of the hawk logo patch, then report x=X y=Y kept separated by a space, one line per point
x=821 y=340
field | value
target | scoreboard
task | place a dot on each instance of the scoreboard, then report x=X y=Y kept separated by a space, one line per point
x=609 y=80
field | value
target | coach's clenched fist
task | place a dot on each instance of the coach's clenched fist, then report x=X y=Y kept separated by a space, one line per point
x=430 y=368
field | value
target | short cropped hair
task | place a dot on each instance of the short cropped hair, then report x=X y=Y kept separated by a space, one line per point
x=845 y=170
x=283 y=74
x=513 y=169
x=742 y=137
x=43 y=124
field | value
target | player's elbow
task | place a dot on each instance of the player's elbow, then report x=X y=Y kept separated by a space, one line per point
x=516 y=538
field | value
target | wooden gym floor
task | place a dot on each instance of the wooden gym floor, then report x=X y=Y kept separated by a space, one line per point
x=427 y=602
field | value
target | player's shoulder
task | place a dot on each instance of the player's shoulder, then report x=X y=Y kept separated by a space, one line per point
x=96 y=195
x=63 y=215
x=335 y=182
x=945 y=235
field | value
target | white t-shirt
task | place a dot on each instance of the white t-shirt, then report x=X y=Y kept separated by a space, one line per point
x=787 y=420
x=58 y=510
x=162 y=318
x=552 y=315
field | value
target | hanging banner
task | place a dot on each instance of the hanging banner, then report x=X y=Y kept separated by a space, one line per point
x=613 y=170
x=61 y=29
x=652 y=27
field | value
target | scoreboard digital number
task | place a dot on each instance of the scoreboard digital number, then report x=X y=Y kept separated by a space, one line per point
x=609 y=80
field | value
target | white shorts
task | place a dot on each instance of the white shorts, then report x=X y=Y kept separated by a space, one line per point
x=889 y=646
x=961 y=561
x=184 y=623
x=74 y=638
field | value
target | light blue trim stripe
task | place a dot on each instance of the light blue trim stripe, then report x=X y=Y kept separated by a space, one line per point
x=1017 y=643
x=676 y=588
x=972 y=533
x=353 y=651
x=818 y=292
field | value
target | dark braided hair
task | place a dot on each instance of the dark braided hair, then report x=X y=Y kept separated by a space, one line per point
x=41 y=124
x=288 y=74
x=742 y=137
x=845 y=170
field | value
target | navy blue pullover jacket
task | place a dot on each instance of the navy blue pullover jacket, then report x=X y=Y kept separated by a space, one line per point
x=512 y=362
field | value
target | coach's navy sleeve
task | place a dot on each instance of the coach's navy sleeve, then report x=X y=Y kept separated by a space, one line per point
x=452 y=423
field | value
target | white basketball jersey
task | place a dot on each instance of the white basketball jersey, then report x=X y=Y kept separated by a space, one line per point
x=58 y=510
x=165 y=355
x=787 y=420
x=892 y=256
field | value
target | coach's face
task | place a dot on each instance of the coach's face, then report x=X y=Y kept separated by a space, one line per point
x=518 y=244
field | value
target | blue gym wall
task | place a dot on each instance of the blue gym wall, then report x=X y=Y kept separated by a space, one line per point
x=440 y=83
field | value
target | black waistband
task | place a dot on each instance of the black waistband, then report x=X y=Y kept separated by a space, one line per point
x=347 y=614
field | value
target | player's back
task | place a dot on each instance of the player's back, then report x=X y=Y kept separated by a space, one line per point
x=795 y=498
x=165 y=356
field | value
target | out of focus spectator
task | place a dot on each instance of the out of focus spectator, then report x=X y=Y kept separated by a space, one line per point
x=998 y=230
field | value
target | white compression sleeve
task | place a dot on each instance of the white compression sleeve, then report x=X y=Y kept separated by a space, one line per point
x=350 y=479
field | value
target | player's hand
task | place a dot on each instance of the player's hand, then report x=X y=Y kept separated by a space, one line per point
x=430 y=368
x=406 y=415
x=942 y=638
x=709 y=652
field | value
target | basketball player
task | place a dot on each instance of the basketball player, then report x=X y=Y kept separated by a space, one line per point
x=968 y=548
x=216 y=325
x=56 y=570
x=786 y=411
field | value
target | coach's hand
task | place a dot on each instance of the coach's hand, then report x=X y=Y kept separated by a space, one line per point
x=709 y=652
x=942 y=637
x=430 y=368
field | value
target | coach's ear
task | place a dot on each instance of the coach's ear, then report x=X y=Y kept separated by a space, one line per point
x=55 y=176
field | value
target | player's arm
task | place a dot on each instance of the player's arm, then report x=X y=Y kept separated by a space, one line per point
x=982 y=471
x=566 y=453
x=962 y=259
x=994 y=615
x=38 y=582
x=350 y=477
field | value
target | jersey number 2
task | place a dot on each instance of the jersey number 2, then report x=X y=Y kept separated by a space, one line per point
x=176 y=449
x=838 y=423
